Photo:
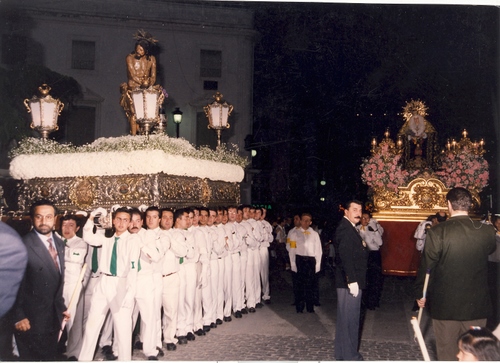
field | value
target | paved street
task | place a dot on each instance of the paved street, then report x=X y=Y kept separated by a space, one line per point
x=277 y=332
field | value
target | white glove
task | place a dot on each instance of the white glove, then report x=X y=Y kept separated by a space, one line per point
x=142 y=208
x=293 y=267
x=81 y=213
x=353 y=289
x=115 y=207
x=97 y=211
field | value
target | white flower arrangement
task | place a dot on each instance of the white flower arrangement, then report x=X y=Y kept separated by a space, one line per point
x=35 y=158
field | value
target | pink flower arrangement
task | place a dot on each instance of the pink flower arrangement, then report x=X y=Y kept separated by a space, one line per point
x=465 y=169
x=383 y=171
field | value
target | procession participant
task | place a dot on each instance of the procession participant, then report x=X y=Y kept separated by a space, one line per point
x=228 y=266
x=144 y=304
x=291 y=242
x=421 y=231
x=456 y=254
x=14 y=259
x=251 y=273
x=201 y=271
x=39 y=308
x=220 y=249
x=106 y=336
x=171 y=252
x=236 y=288
x=257 y=231
x=350 y=278
x=152 y=217
x=187 y=274
x=371 y=232
x=207 y=299
x=243 y=233
x=116 y=287
x=305 y=259
x=267 y=233
x=75 y=253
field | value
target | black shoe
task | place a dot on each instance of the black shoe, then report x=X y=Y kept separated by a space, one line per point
x=72 y=359
x=259 y=305
x=171 y=346
x=244 y=311
x=227 y=319
x=317 y=304
x=213 y=325
x=206 y=328
x=200 y=332
x=182 y=340
x=110 y=356
x=138 y=345
x=160 y=352
x=267 y=302
x=152 y=357
x=218 y=321
x=310 y=310
x=190 y=336
x=238 y=314
x=107 y=349
x=251 y=310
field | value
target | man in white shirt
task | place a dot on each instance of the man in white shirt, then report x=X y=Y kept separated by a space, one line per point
x=305 y=260
x=117 y=286
x=252 y=266
x=238 y=242
x=144 y=304
x=267 y=235
x=207 y=299
x=75 y=252
x=172 y=250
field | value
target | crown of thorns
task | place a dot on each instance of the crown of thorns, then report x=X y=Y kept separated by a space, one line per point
x=144 y=35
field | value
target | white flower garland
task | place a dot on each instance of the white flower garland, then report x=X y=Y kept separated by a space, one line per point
x=124 y=155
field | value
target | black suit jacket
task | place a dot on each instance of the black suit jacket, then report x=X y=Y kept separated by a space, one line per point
x=40 y=295
x=351 y=256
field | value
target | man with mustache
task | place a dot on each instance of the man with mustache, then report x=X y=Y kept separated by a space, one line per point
x=350 y=278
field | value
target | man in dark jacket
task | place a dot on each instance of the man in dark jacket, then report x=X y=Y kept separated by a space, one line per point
x=456 y=254
x=39 y=308
x=350 y=277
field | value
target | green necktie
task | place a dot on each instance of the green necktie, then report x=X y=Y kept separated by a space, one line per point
x=95 y=263
x=65 y=241
x=112 y=265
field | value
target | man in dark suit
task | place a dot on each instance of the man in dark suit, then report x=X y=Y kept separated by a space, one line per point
x=14 y=258
x=350 y=277
x=39 y=308
x=456 y=254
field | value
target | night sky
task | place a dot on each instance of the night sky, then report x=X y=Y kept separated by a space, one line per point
x=330 y=77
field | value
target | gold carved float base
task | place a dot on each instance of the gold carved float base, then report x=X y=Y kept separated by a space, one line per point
x=414 y=202
x=162 y=190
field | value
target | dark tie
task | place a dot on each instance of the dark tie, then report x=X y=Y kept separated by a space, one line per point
x=53 y=253
x=112 y=265
x=95 y=263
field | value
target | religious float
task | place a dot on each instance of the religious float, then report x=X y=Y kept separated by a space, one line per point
x=146 y=167
x=409 y=180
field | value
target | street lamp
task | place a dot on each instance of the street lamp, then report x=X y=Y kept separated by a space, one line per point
x=217 y=113
x=177 y=119
x=44 y=111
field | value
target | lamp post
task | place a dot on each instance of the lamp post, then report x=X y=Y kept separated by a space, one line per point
x=44 y=111
x=177 y=119
x=217 y=113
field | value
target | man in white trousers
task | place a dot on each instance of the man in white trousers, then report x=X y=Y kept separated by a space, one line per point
x=252 y=268
x=152 y=216
x=242 y=231
x=144 y=304
x=267 y=235
x=216 y=267
x=187 y=274
x=172 y=250
x=75 y=252
x=207 y=300
x=228 y=265
x=237 y=296
x=116 y=288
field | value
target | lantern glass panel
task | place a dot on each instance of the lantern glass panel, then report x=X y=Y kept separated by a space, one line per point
x=138 y=104
x=36 y=115
x=49 y=111
x=151 y=108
